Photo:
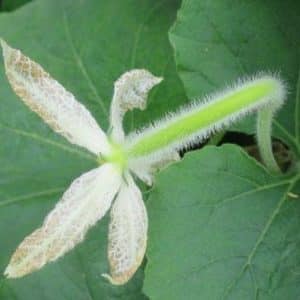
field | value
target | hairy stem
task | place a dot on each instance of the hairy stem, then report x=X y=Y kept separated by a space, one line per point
x=264 y=139
x=198 y=121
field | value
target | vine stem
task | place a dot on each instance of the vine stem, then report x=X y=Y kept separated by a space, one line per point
x=264 y=138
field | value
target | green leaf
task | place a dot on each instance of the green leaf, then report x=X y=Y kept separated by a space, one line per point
x=221 y=227
x=217 y=42
x=86 y=45
x=9 y=5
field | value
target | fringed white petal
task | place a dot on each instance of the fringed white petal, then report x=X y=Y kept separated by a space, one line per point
x=127 y=233
x=56 y=106
x=82 y=205
x=145 y=167
x=131 y=91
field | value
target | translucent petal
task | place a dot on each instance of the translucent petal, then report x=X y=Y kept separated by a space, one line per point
x=127 y=233
x=82 y=205
x=145 y=167
x=56 y=106
x=131 y=91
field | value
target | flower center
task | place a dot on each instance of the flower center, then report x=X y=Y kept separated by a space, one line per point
x=117 y=156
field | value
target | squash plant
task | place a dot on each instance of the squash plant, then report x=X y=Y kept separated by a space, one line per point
x=222 y=224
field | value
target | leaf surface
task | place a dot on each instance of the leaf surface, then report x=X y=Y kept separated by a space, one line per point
x=221 y=227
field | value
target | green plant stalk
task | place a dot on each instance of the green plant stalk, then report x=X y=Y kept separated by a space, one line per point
x=199 y=121
x=264 y=139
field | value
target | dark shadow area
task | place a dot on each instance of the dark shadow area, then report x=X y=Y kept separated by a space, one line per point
x=10 y=5
x=281 y=151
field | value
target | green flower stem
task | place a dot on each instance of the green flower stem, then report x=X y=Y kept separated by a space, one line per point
x=264 y=139
x=200 y=120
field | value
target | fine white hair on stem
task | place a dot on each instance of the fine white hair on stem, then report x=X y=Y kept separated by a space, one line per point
x=198 y=121
x=52 y=102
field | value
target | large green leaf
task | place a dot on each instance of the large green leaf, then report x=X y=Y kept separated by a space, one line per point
x=86 y=45
x=217 y=42
x=221 y=227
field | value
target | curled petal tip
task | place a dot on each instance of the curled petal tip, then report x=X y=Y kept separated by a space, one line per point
x=107 y=276
x=111 y=279
x=130 y=91
x=116 y=280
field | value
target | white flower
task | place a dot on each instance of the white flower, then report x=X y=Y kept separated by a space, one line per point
x=91 y=195
x=141 y=153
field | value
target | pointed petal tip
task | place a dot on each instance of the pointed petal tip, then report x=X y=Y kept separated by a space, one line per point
x=158 y=79
x=6 y=49
x=13 y=273
x=3 y=44
x=154 y=80
x=8 y=273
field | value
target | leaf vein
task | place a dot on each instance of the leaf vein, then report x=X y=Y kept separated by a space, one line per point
x=140 y=29
x=81 y=65
x=43 y=140
x=31 y=195
x=260 y=238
